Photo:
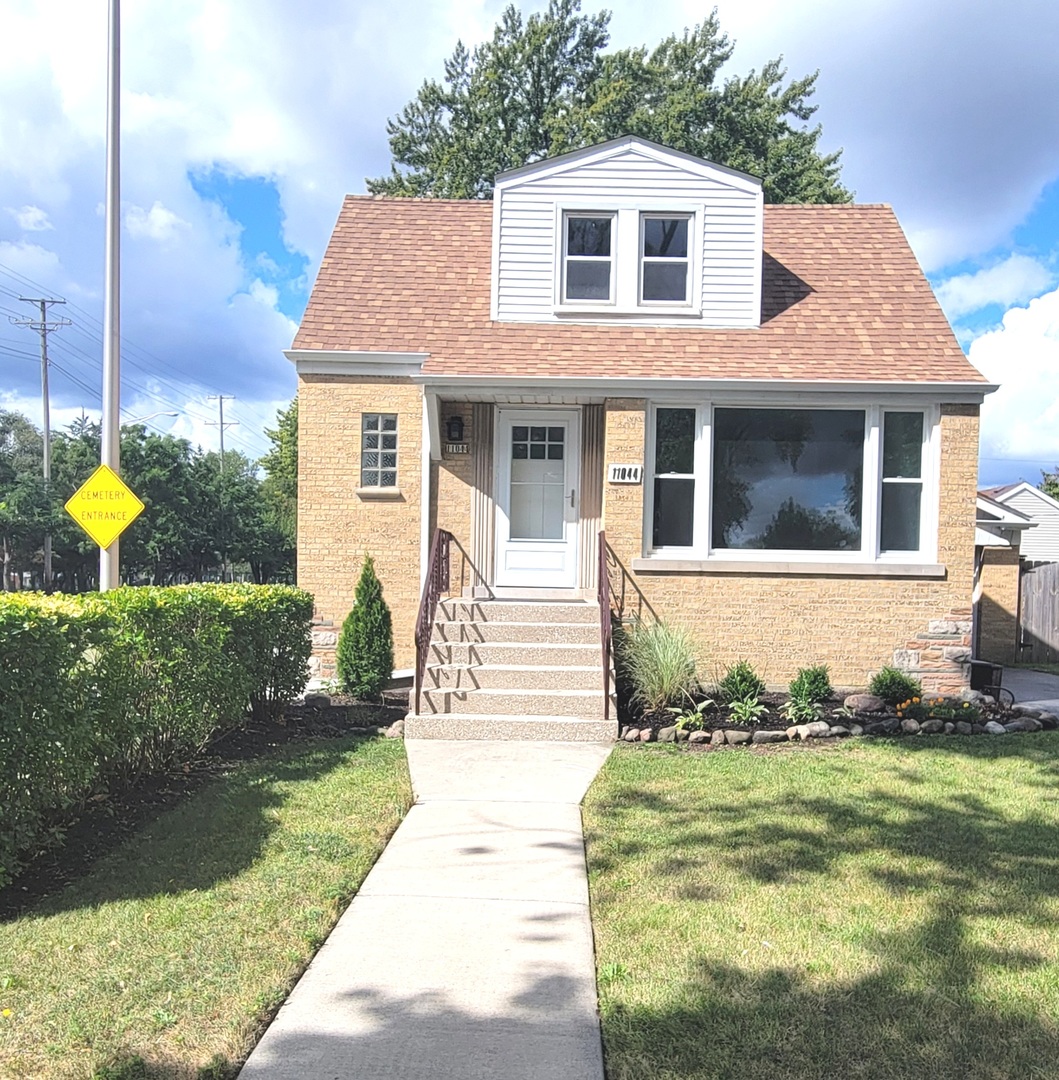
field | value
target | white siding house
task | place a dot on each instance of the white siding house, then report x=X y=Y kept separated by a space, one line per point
x=1040 y=544
x=597 y=211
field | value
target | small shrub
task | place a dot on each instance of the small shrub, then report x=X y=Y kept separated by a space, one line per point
x=812 y=685
x=693 y=717
x=659 y=662
x=741 y=683
x=800 y=711
x=894 y=686
x=745 y=710
x=938 y=708
x=364 y=654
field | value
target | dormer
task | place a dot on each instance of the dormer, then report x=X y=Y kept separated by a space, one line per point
x=627 y=232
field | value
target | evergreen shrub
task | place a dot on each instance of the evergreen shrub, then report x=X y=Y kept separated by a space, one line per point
x=894 y=686
x=364 y=655
x=811 y=685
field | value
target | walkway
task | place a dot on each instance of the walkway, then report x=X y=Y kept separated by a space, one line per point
x=468 y=951
x=1035 y=688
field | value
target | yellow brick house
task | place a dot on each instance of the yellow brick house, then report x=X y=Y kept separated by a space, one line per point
x=756 y=418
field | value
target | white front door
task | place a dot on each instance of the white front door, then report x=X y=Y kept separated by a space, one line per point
x=537 y=471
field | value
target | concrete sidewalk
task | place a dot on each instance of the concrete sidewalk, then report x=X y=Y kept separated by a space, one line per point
x=468 y=951
x=1035 y=688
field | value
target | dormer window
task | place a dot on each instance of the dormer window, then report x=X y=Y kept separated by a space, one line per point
x=664 y=277
x=588 y=260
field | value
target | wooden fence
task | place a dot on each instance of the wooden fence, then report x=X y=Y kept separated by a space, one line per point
x=1039 y=613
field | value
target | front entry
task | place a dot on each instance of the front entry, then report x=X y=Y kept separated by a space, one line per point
x=537 y=471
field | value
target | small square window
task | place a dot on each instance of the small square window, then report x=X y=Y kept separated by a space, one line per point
x=378 y=469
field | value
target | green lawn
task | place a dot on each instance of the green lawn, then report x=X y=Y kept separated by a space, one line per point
x=866 y=910
x=176 y=948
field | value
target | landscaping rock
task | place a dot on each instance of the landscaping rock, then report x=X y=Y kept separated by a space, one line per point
x=818 y=729
x=667 y=734
x=769 y=736
x=978 y=729
x=395 y=730
x=993 y=728
x=682 y=735
x=975 y=697
x=647 y=734
x=1026 y=723
x=890 y=726
x=855 y=730
x=631 y=735
x=317 y=701
x=717 y=738
x=792 y=733
x=699 y=737
x=862 y=703
x=963 y=728
x=736 y=738
x=910 y=726
x=1027 y=710
x=932 y=727
x=839 y=729
x=1049 y=721
x=950 y=728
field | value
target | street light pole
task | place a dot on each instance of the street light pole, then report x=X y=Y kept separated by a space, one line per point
x=110 y=453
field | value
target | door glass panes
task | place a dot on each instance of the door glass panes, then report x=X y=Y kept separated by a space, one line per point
x=587 y=273
x=538 y=482
x=378 y=450
x=664 y=260
x=674 y=487
x=902 y=481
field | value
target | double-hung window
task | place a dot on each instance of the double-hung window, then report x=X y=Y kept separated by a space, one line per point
x=810 y=483
x=664 y=276
x=588 y=258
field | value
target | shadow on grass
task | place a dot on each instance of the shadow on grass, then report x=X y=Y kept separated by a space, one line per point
x=218 y=832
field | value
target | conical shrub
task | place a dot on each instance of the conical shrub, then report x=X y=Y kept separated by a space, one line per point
x=364 y=655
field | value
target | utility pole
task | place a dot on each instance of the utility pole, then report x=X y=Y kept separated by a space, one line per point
x=220 y=424
x=44 y=328
x=110 y=449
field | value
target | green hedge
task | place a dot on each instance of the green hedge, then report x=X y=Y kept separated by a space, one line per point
x=100 y=689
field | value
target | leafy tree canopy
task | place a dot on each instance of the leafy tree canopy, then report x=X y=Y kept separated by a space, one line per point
x=1050 y=483
x=545 y=86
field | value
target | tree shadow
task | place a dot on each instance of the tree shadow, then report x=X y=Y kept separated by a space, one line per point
x=214 y=835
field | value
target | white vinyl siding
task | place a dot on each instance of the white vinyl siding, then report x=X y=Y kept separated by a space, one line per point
x=727 y=262
x=1041 y=543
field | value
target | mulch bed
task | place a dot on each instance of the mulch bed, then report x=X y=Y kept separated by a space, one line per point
x=107 y=820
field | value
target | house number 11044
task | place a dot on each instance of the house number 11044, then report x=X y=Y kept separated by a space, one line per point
x=625 y=474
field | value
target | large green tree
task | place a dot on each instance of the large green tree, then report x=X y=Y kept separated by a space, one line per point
x=544 y=86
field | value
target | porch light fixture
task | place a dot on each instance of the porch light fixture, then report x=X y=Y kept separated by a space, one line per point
x=454 y=429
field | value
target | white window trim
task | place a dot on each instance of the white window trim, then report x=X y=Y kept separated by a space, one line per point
x=626 y=247
x=581 y=305
x=664 y=305
x=869 y=553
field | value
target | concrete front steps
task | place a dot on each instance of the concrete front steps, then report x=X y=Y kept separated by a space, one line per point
x=507 y=669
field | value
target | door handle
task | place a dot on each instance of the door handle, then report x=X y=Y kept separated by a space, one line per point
x=571 y=497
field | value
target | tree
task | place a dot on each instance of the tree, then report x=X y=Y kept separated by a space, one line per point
x=544 y=86
x=364 y=654
x=1050 y=483
x=279 y=490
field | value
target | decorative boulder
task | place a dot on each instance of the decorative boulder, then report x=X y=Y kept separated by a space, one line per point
x=993 y=728
x=910 y=726
x=667 y=734
x=736 y=738
x=932 y=727
x=863 y=703
x=769 y=736
x=699 y=737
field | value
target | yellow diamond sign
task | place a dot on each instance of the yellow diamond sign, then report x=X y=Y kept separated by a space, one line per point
x=103 y=506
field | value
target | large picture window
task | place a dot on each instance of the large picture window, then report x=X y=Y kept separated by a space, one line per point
x=788 y=479
x=839 y=483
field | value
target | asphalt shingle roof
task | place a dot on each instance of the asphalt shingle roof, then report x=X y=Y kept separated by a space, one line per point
x=843 y=298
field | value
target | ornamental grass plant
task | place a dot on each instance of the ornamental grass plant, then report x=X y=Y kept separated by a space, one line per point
x=658 y=659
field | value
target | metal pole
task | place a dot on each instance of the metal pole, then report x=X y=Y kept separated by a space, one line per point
x=109 y=560
x=47 y=433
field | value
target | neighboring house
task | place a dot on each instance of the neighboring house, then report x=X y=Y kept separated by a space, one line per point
x=999 y=533
x=762 y=406
x=1042 y=543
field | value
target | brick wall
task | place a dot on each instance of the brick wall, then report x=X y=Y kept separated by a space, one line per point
x=336 y=527
x=998 y=604
x=783 y=622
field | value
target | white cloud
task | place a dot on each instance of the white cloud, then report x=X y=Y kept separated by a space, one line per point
x=31 y=219
x=1016 y=280
x=158 y=223
x=1021 y=420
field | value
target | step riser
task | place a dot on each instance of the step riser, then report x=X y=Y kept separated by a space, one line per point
x=477 y=677
x=567 y=729
x=500 y=653
x=588 y=705
x=513 y=611
x=535 y=633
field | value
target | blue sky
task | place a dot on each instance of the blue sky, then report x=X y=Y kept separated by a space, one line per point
x=246 y=121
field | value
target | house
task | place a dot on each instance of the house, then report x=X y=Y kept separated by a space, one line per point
x=763 y=409
x=1042 y=544
x=1000 y=532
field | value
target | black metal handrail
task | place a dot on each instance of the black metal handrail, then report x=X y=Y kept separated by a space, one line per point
x=603 y=593
x=435 y=585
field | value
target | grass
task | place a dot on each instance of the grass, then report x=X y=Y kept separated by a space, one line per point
x=875 y=910
x=169 y=956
